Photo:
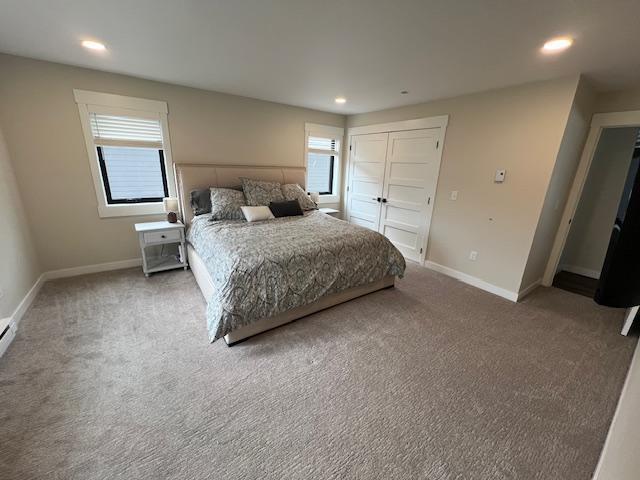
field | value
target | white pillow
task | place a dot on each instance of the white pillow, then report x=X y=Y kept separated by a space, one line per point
x=256 y=214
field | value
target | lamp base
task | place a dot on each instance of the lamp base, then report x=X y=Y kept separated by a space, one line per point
x=172 y=217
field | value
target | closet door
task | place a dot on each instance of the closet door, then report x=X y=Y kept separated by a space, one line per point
x=366 y=179
x=411 y=177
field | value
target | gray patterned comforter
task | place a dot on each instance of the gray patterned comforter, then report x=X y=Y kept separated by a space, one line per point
x=264 y=268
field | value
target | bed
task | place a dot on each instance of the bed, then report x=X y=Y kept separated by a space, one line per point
x=260 y=275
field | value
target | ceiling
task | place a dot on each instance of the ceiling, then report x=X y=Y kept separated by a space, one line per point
x=305 y=53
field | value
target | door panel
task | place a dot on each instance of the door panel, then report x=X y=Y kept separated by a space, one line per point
x=402 y=216
x=366 y=209
x=411 y=175
x=409 y=194
x=400 y=238
x=366 y=179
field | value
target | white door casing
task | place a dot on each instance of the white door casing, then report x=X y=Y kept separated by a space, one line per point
x=410 y=181
x=366 y=179
x=599 y=122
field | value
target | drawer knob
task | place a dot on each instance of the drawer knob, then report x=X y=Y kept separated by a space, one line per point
x=163 y=236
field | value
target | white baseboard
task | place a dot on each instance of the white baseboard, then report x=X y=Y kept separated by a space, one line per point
x=585 y=272
x=7 y=338
x=526 y=291
x=473 y=281
x=26 y=302
x=86 y=269
x=17 y=315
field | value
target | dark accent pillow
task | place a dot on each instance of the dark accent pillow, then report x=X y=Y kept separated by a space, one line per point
x=289 y=208
x=201 y=201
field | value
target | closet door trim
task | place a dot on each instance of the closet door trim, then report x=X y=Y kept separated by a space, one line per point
x=415 y=124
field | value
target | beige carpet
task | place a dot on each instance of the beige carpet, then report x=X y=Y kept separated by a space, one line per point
x=111 y=376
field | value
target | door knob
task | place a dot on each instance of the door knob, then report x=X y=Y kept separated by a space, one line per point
x=384 y=200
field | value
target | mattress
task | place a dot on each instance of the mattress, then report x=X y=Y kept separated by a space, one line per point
x=262 y=269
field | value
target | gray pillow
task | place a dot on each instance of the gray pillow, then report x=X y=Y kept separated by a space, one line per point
x=226 y=203
x=258 y=192
x=293 y=191
x=201 y=201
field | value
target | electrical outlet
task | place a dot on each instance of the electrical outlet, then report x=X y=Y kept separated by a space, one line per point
x=454 y=195
x=473 y=255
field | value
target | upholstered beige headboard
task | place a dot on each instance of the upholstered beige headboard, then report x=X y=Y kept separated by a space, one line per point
x=190 y=176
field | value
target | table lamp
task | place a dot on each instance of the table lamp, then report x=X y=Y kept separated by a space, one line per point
x=171 y=209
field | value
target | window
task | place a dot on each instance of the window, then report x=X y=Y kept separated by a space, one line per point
x=133 y=175
x=127 y=143
x=323 y=160
x=131 y=158
x=320 y=165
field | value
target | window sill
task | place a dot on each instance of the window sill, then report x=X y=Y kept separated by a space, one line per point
x=324 y=199
x=106 y=211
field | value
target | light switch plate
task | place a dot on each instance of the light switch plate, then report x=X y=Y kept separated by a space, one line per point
x=500 y=174
x=454 y=195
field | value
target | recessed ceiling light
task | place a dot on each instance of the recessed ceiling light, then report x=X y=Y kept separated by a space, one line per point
x=91 y=45
x=557 y=44
x=340 y=100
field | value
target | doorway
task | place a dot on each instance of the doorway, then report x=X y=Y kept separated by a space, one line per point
x=609 y=180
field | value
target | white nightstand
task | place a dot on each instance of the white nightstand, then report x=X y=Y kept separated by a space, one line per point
x=161 y=233
x=330 y=211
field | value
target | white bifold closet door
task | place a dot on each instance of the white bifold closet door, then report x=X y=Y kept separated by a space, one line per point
x=366 y=179
x=392 y=186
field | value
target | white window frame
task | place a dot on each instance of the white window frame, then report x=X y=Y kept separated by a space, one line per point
x=327 y=131
x=96 y=102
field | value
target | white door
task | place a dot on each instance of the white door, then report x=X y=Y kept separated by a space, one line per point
x=366 y=179
x=411 y=176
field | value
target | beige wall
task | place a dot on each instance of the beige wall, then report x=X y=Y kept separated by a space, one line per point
x=44 y=137
x=20 y=267
x=588 y=238
x=519 y=129
x=523 y=129
x=618 y=101
x=573 y=140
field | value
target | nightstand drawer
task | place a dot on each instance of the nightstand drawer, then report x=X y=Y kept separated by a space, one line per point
x=162 y=237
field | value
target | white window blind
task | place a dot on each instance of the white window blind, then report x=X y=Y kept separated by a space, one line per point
x=133 y=175
x=321 y=161
x=131 y=158
x=125 y=131
x=320 y=143
x=319 y=173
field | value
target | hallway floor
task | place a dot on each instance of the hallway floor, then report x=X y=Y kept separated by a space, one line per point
x=572 y=282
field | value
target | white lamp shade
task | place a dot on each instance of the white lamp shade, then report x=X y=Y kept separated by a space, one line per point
x=170 y=204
